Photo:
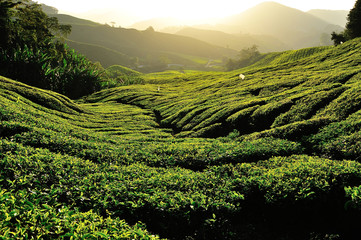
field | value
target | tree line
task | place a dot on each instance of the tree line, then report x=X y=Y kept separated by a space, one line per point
x=32 y=50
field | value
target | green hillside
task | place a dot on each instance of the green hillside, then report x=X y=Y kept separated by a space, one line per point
x=193 y=155
x=106 y=56
x=149 y=50
x=67 y=19
x=235 y=41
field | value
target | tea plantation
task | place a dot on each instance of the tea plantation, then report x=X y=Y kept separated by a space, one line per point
x=190 y=155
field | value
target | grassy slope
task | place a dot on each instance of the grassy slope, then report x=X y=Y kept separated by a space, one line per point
x=235 y=41
x=107 y=57
x=123 y=45
x=67 y=19
x=122 y=153
x=140 y=43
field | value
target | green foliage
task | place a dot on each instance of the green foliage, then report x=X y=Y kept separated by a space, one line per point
x=27 y=24
x=34 y=218
x=247 y=56
x=338 y=38
x=5 y=22
x=65 y=72
x=32 y=54
x=191 y=155
x=353 y=24
x=355 y=194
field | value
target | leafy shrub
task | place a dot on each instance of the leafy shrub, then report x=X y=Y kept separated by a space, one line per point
x=68 y=73
x=24 y=216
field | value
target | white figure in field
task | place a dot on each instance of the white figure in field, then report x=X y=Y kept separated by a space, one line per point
x=241 y=76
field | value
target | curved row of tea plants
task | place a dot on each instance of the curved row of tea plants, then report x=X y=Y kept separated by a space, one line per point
x=129 y=162
x=293 y=94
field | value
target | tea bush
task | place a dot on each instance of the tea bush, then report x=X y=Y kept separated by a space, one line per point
x=193 y=155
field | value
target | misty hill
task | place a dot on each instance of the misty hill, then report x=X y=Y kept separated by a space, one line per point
x=272 y=26
x=293 y=27
x=48 y=9
x=337 y=17
x=118 y=17
x=235 y=41
x=71 y=20
x=157 y=23
x=140 y=47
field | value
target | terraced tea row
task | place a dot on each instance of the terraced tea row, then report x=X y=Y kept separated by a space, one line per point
x=297 y=91
x=271 y=168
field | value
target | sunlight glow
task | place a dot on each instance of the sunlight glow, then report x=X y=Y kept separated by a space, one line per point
x=191 y=10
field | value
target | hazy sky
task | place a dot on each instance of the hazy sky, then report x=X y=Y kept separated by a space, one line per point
x=184 y=9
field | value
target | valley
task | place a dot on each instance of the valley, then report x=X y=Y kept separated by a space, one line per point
x=196 y=155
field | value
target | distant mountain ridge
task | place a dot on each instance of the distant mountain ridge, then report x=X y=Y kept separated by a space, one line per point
x=292 y=27
x=71 y=20
x=269 y=25
x=337 y=17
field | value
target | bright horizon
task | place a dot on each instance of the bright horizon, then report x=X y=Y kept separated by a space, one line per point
x=133 y=11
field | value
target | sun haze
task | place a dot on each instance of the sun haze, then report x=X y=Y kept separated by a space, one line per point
x=186 y=10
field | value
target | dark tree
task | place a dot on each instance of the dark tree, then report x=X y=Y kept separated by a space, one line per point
x=24 y=23
x=6 y=12
x=353 y=26
x=34 y=28
x=338 y=38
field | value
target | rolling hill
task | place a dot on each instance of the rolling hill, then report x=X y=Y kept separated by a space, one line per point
x=157 y=23
x=70 y=20
x=337 y=17
x=193 y=155
x=235 y=41
x=272 y=26
x=132 y=48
